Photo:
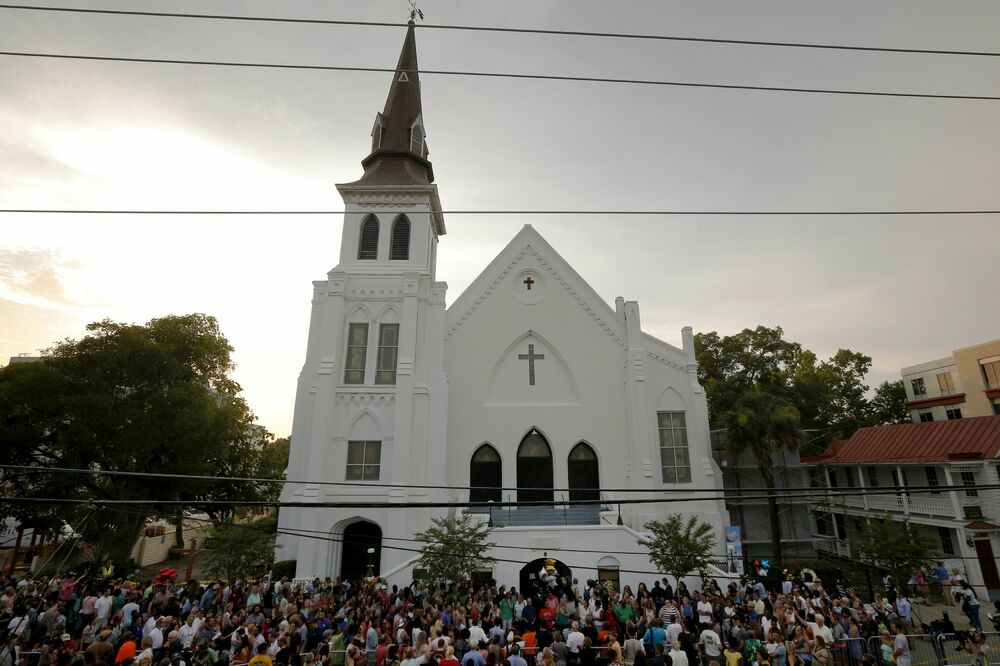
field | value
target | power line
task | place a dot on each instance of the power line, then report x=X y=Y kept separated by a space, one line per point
x=812 y=490
x=502 y=75
x=356 y=504
x=529 y=31
x=805 y=213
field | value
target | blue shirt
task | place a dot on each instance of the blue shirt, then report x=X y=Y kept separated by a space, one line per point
x=474 y=658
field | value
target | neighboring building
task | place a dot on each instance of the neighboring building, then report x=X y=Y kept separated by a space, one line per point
x=742 y=476
x=967 y=383
x=529 y=387
x=23 y=358
x=964 y=523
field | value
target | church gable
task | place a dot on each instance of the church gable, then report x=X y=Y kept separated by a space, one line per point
x=529 y=269
x=515 y=379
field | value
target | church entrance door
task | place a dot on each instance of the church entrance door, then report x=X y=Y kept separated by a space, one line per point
x=534 y=469
x=358 y=538
x=584 y=478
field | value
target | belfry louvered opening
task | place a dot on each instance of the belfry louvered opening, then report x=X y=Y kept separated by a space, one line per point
x=368 y=246
x=400 y=248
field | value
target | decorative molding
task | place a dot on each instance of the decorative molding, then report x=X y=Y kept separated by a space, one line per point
x=359 y=398
x=384 y=199
x=559 y=279
x=667 y=362
x=370 y=294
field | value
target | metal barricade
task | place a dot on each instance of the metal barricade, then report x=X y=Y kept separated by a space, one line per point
x=957 y=649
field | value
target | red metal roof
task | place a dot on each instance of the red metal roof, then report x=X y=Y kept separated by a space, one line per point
x=975 y=438
x=981 y=525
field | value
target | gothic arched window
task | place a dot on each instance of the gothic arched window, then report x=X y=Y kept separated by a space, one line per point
x=368 y=245
x=485 y=473
x=534 y=469
x=400 y=246
x=584 y=478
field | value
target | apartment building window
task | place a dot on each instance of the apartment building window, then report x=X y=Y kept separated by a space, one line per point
x=832 y=472
x=945 y=383
x=918 y=387
x=932 y=479
x=947 y=545
x=953 y=412
x=850 y=477
x=969 y=480
x=872 y=477
x=357 y=354
x=991 y=373
x=926 y=415
x=363 y=461
x=838 y=520
x=388 y=348
x=996 y=406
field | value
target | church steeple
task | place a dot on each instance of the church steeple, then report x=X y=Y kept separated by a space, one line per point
x=399 y=146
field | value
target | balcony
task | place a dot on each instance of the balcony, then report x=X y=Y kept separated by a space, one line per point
x=831 y=546
x=926 y=505
x=532 y=516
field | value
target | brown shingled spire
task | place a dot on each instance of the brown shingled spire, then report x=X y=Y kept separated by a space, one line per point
x=399 y=151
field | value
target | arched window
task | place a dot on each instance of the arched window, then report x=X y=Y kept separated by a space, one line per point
x=368 y=245
x=400 y=247
x=584 y=478
x=485 y=474
x=534 y=469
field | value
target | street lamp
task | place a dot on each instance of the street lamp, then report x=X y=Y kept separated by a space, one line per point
x=371 y=551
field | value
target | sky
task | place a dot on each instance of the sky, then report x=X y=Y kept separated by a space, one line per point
x=907 y=289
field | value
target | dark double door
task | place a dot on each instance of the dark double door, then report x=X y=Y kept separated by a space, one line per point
x=534 y=469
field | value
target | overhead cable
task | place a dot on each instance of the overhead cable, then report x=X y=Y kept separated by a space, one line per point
x=497 y=29
x=502 y=75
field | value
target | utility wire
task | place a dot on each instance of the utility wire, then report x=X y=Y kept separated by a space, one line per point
x=356 y=504
x=835 y=492
x=98 y=211
x=529 y=31
x=540 y=77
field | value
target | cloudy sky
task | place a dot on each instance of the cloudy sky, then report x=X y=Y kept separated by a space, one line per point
x=114 y=135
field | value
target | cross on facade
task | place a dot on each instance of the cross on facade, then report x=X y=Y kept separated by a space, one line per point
x=528 y=281
x=531 y=357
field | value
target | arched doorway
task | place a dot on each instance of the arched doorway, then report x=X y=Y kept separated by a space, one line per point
x=584 y=478
x=534 y=469
x=485 y=475
x=358 y=538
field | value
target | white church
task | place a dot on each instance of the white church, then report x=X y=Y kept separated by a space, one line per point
x=529 y=387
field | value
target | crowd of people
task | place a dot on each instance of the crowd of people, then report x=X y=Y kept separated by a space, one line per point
x=102 y=621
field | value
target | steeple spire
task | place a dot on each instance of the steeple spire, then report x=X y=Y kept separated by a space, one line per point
x=399 y=148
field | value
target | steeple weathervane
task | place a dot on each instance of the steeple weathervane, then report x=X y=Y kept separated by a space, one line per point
x=415 y=11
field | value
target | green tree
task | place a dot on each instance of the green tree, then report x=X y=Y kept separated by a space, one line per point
x=830 y=395
x=888 y=405
x=453 y=548
x=764 y=424
x=678 y=547
x=128 y=398
x=241 y=549
x=897 y=546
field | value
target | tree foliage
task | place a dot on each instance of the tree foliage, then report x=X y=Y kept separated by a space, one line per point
x=830 y=395
x=678 y=547
x=897 y=546
x=241 y=549
x=132 y=398
x=888 y=405
x=454 y=548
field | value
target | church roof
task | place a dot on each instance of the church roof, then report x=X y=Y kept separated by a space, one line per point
x=393 y=160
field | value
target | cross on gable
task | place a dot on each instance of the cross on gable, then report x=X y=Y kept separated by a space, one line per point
x=531 y=357
x=528 y=282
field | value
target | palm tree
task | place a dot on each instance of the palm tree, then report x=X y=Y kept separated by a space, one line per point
x=764 y=424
